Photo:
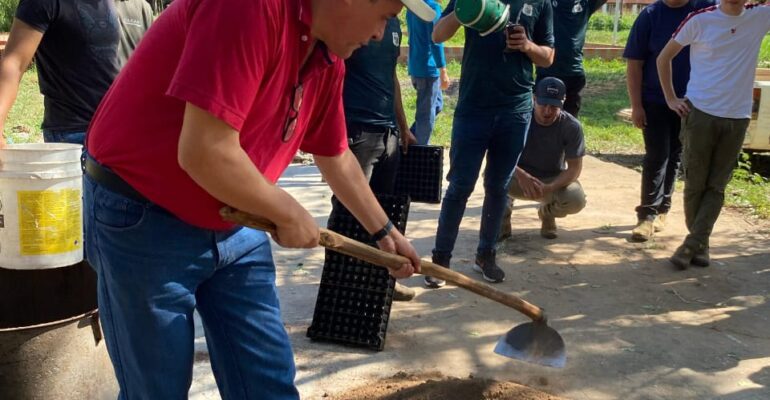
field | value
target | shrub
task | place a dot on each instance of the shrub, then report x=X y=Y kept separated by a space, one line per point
x=605 y=22
x=7 y=11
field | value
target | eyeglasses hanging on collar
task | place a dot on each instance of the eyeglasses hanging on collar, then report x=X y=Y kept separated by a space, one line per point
x=291 y=117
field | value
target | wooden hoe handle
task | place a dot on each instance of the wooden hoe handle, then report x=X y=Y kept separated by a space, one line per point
x=341 y=244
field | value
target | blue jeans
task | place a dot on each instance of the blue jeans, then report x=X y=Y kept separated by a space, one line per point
x=77 y=137
x=501 y=138
x=429 y=103
x=154 y=270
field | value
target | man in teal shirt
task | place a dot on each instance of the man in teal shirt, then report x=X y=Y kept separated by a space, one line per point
x=570 y=20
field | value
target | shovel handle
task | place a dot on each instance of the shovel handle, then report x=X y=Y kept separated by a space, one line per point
x=342 y=244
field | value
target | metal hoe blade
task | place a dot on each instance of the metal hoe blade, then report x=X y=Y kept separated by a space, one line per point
x=534 y=342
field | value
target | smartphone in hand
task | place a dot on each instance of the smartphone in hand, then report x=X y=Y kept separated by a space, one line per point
x=510 y=29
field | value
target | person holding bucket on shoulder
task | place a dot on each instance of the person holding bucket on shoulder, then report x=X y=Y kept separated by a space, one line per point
x=212 y=108
x=79 y=48
x=492 y=116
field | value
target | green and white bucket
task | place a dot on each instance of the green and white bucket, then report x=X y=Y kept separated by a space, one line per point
x=485 y=16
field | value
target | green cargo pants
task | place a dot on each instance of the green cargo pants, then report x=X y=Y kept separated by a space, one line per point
x=711 y=146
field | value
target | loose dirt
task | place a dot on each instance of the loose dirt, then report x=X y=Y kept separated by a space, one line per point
x=404 y=386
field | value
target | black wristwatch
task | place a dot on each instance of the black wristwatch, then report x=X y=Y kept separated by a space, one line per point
x=379 y=235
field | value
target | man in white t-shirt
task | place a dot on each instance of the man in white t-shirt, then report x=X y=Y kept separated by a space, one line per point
x=724 y=45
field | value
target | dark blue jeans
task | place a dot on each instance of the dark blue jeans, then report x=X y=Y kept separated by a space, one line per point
x=64 y=137
x=500 y=137
x=154 y=270
x=661 y=160
x=429 y=103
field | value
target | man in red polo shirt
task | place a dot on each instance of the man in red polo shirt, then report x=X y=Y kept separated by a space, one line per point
x=209 y=111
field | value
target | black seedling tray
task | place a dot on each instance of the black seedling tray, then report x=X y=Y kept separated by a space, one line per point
x=420 y=174
x=354 y=298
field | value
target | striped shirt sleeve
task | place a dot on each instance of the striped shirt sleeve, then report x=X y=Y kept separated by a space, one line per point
x=688 y=30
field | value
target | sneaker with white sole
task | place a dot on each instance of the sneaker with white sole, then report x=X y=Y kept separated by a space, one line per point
x=487 y=267
x=435 y=283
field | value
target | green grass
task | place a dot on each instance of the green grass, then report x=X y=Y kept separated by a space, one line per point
x=26 y=115
x=606 y=135
x=7 y=11
x=603 y=97
x=443 y=129
x=764 y=53
x=606 y=22
x=748 y=191
x=612 y=139
x=605 y=37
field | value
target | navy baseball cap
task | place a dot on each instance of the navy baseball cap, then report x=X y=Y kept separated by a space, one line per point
x=550 y=92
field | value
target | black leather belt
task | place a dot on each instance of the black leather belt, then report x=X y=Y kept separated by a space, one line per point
x=370 y=128
x=111 y=181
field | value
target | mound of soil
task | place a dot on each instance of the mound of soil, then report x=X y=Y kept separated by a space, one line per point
x=403 y=386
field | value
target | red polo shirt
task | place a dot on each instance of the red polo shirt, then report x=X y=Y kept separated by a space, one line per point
x=239 y=60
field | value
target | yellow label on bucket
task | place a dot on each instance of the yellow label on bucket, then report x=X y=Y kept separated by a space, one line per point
x=49 y=221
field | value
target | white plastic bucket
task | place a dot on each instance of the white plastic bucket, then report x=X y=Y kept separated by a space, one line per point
x=41 y=218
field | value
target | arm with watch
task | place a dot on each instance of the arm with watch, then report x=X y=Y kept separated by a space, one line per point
x=347 y=181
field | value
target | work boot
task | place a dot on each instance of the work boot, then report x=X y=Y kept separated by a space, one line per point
x=485 y=264
x=682 y=256
x=660 y=222
x=547 y=225
x=643 y=231
x=435 y=283
x=402 y=293
x=701 y=258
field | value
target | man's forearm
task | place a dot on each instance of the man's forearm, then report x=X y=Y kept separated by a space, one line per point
x=9 y=88
x=542 y=56
x=347 y=181
x=398 y=106
x=634 y=70
x=445 y=28
x=666 y=81
x=23 y=42
x=567 y=176
x=664 y=68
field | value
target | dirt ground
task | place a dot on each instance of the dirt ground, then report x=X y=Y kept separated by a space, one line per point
x=403 y=386
x=635 y=327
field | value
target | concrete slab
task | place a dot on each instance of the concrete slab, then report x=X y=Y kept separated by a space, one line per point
x=635 y=327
